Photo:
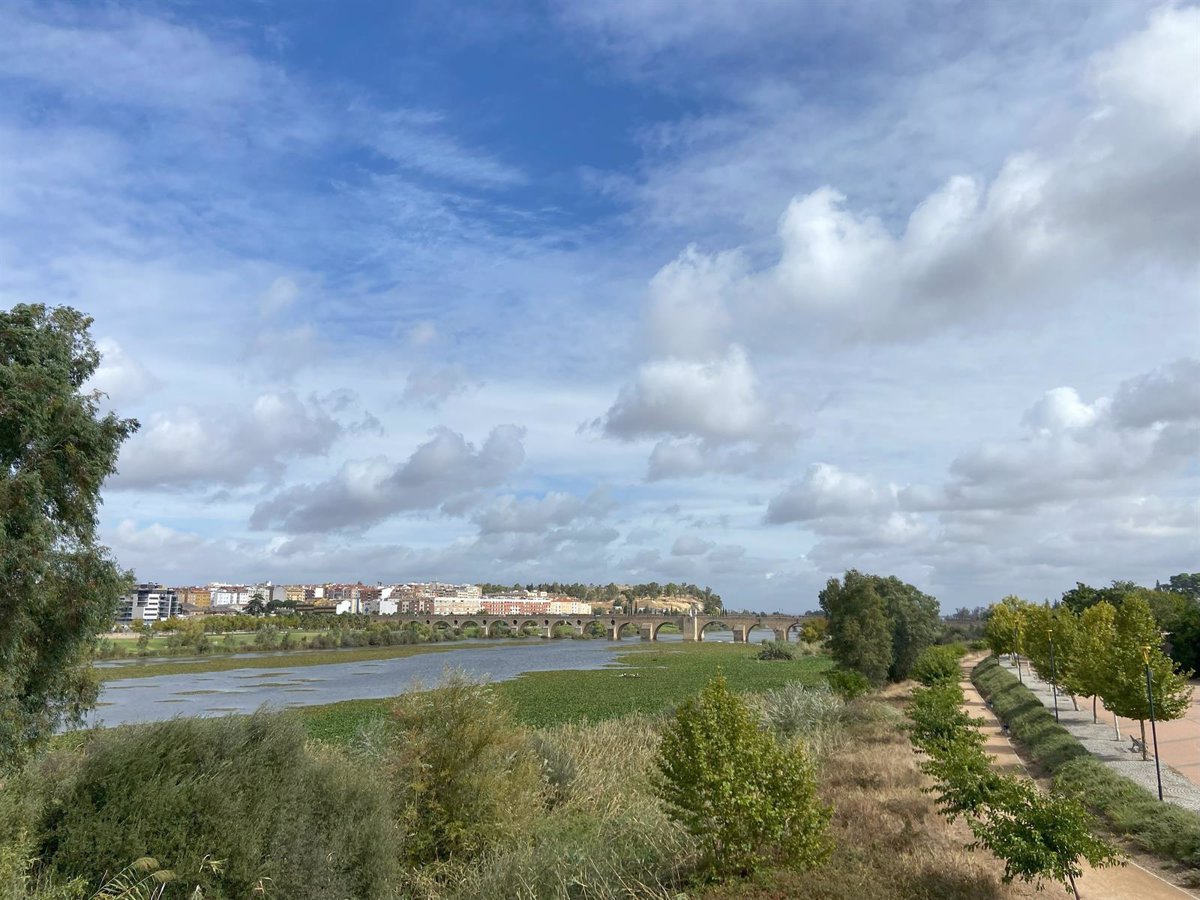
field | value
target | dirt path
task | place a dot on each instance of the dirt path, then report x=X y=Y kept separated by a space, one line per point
x=1131 y=882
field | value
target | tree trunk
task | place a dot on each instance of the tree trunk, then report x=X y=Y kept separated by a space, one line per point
x=1145 y=755
x=1074 y=703
x=1117 y=725
x=1071 y=878
x=1094 y=719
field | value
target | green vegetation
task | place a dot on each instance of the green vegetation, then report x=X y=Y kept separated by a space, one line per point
x=1164 y=829
x=58 y=586
x=777 y=650
x=878 y=626
x=1036 y=835
x=937 y=664
x=644 y=681
x=746 y=800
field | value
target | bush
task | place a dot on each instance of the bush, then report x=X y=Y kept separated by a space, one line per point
x=795 y=709
x=1162 y=828
x=243 y=790
x=464 y=775
x=747 y=800
x=849 y=684
x=777 y=650
x=936 y=664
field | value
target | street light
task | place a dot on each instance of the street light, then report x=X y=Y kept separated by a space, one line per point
x=1017 y=626
x=1153 y=729
x=1053 y=673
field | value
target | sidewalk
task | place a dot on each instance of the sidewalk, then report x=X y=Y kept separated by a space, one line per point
x=1131 y=882
x=1178 y=743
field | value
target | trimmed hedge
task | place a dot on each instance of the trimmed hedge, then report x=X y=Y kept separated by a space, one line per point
x=1164 y=829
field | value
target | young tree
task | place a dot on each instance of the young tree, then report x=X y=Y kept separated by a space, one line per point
x=859 y=634
x=1040 y=835
x=915 y=622
x=1136 y=647
x=745 y=798
x=58 y=586
x=1092 y=667
x=1046 y=630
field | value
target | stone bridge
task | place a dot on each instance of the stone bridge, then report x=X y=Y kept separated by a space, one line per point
x=691 y=627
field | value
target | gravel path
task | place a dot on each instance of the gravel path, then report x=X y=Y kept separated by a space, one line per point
x=1101 y=741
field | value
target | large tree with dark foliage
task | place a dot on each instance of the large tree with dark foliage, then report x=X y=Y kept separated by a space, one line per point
x=878 y=625
x=58 y=587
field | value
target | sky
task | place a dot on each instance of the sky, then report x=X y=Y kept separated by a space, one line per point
x=743 y=294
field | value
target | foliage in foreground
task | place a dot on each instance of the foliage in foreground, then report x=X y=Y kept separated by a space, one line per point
x=747 y=800
x=58 y=586
x=1164 y=829
x=1037 y=835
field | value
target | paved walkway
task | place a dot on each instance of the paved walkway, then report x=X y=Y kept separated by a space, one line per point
x=1178 y=742
x=1131 y=882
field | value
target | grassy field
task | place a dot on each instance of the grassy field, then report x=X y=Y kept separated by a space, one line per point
x=272 y=661
x=649 y=679
x=158 y=642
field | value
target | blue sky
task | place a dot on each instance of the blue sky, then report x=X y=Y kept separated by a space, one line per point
x=742 y=294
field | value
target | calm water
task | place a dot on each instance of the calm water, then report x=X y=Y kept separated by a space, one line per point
x=245 y=690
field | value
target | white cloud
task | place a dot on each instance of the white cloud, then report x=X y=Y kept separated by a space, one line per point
x=366 y=492
x=1166 y=395
x=691 y=545
x=827 y=491
x=198 y=447
x=431 y=386
x=121 y=377
x=717 y=401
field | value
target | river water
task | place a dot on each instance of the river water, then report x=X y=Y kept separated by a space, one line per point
x=159 y=697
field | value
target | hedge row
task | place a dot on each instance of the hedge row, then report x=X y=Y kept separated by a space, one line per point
x=1164 y=829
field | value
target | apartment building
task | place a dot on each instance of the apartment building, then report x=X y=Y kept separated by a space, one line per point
x=149 y=603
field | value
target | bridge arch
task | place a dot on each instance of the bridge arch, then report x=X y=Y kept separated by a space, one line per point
x=499 y=627
x=657 y=626
x=756 y=631
x=720 y=624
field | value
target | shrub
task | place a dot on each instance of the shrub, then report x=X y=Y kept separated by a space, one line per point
x=936 y=664
x=464 y=775
x=747 y=800
x=849 y=684
x=241 y=789
x=777 y=650
x=797 y=709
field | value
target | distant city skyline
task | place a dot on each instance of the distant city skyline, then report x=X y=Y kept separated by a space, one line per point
x=737 y=294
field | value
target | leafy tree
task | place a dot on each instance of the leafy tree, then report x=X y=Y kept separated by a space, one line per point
x=1186 y=583
x=1137 y=640
x=915 y=623
x=859 y=632
x=1092 y=667
x=1004 y=625
x=746 y=799
x=58 y=587
x=256 y=606
x=1039 y=835
x=1046 y=629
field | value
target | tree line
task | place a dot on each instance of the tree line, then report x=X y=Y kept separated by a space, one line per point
x=616 y=593
x=1099 y=650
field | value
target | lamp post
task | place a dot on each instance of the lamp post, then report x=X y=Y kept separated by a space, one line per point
x=1053 y=674
x=1153 y=729
x=1018 y=654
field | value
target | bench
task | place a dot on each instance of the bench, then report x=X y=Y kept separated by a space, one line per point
x=1137 y=745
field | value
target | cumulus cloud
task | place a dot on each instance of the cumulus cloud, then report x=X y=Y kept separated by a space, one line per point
x=191 y=446
x=1169 y=394
x=366 y=492
x=1121 y=194
x=825 y=490
x=539 y=514
x=120 y=376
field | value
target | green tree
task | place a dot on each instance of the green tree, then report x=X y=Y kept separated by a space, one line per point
x=1039 y=835
x=1003 y=628
x=746 y=799
x=58 y=587
x=1136 y=647
x=1046 y=628
x=1092 y=667
x=859 y=632
x=256 y=606
x=914 y=619
x=1186 y=583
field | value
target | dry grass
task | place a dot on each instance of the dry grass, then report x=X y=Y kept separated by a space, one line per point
x=891 y=844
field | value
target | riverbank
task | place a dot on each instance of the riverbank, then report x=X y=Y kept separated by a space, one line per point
x=151 y=668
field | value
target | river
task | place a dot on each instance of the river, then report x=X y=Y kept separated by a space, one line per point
x=158 y=697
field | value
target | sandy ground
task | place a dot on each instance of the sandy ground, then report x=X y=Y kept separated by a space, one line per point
x=1131 y=882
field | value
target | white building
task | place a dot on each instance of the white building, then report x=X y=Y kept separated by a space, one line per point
x=149 y=603
x=455 y=606
x=567 y=606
